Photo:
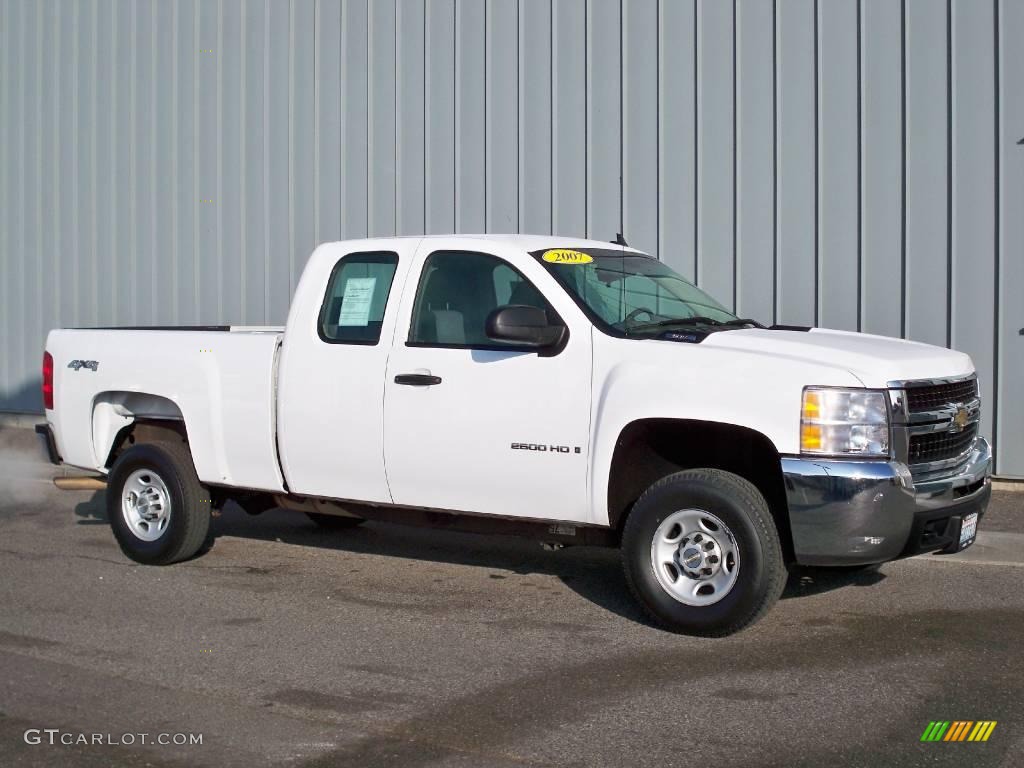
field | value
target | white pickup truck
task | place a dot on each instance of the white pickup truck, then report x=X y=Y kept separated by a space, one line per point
x=577 y=391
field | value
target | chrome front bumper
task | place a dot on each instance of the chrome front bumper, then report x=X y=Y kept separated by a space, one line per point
x=860 y=512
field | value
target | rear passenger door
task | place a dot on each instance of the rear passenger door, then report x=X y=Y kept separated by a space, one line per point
x=479 y=426
x=331 y=392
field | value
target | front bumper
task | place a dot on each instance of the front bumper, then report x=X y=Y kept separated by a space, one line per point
x=861 y=512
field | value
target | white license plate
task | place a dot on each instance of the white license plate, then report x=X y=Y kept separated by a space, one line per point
x=969 y=528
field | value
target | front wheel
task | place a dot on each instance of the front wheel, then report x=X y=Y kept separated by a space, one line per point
x=701 y=553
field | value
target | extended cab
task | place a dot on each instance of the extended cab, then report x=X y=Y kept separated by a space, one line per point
x=578 y=391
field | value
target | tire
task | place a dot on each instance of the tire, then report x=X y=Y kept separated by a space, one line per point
x=334 y=522
x=163 y=475
x=730 y=519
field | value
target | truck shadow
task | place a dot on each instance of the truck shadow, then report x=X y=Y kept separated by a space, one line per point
x=594 y=573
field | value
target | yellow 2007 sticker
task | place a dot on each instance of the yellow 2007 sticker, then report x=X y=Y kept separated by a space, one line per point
x=566 y=256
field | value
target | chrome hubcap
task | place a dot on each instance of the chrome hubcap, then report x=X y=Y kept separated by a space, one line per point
x=695 y=557
x=146 y=504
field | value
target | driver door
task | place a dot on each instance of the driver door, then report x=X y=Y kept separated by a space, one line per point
x=478 y=426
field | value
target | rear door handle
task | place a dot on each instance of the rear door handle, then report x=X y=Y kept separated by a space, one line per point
x=417 y=379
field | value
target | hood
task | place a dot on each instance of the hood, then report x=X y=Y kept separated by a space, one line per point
x=875 y=360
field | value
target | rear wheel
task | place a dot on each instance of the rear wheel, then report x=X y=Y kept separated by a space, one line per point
x=158 y=509
x=702 y=554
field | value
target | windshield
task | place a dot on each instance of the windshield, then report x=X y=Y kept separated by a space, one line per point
x=632 y=294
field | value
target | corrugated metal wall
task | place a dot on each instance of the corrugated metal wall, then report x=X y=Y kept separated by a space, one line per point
x=853 y=164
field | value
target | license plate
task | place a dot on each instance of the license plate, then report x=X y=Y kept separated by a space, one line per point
x=968 y=529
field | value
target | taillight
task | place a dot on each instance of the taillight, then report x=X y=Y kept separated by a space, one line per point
x=47 y=381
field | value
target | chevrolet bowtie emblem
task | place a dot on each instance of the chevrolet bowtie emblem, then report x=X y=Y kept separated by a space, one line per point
x=960 y=419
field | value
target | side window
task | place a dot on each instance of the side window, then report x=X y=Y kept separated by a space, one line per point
x=458 y=290
x=357 y=295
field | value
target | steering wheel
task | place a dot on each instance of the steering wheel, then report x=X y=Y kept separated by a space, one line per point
x=636 y=313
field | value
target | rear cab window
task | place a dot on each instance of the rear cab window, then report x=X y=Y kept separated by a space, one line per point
x=356 y=298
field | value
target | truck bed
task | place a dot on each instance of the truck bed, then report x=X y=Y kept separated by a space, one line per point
x=219 y=380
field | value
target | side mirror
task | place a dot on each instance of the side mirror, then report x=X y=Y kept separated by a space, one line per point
x=523 y=326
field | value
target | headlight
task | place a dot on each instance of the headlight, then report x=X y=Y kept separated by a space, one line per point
x=852 y=422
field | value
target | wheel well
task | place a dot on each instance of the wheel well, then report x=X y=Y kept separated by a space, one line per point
x=650 y=449
x=146 y=431
x=123 y=419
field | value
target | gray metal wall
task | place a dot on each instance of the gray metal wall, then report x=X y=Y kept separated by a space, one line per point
x=849 y=163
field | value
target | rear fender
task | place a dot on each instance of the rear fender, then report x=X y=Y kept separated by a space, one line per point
x=115 y=413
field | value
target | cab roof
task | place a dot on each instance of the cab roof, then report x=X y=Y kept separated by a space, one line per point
x=524 y=241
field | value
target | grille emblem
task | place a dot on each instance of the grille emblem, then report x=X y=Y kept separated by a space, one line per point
x=960 y=419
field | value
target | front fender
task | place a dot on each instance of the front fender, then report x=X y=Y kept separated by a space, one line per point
x=652 y=379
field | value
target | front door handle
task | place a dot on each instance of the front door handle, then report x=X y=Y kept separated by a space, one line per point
x=417 y=379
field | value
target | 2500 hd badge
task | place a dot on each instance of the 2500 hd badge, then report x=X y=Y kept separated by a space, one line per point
x=544 y=448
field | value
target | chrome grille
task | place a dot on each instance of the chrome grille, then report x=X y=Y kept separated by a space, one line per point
x=938 y=446
x=931 y=397
x=934 y=424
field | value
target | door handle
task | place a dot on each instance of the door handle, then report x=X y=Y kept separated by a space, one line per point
x=417 y=379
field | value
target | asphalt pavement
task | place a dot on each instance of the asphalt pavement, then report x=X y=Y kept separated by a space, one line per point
x=394 y=646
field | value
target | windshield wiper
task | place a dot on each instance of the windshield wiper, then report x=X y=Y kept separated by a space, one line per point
x=696 y=320
x=739 y=322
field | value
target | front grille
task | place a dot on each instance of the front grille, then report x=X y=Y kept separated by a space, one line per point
x=937 y=446
x=940 y=395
